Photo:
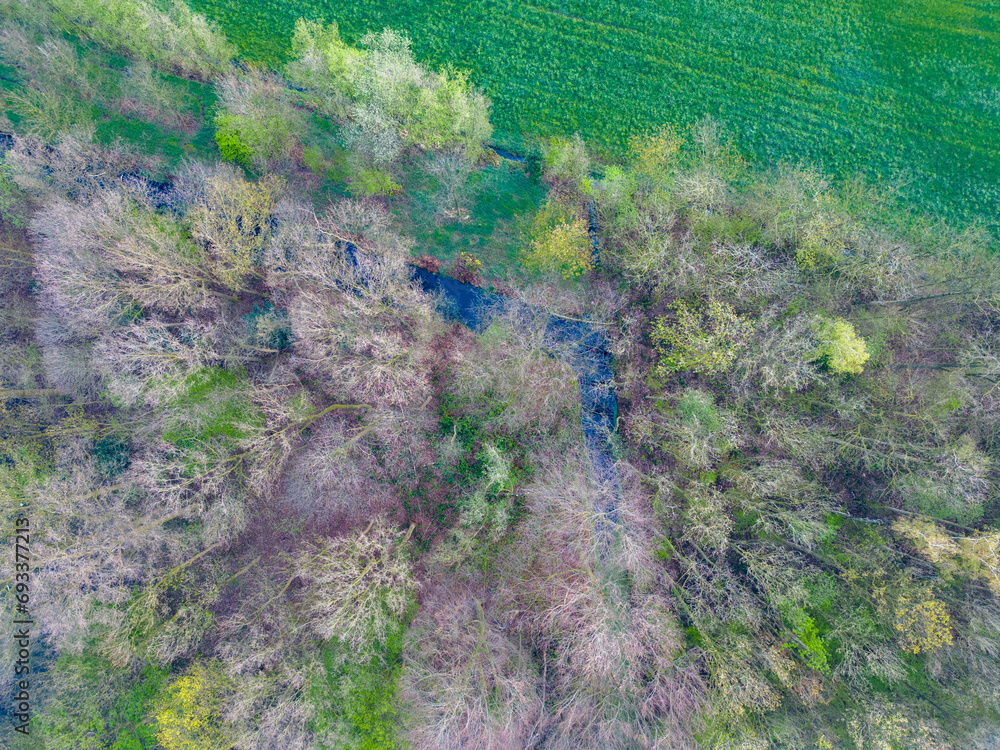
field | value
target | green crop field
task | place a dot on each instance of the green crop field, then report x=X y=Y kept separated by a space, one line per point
x=877 y=85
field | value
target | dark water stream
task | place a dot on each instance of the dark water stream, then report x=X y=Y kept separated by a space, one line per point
x=581 y=344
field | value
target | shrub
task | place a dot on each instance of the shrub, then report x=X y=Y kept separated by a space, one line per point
x=212 y=409
x=707 y=341
x=617 y=204
x=369 y=183
x=729 y=231
x=840 y=348
x=697 y=410
x=146 y=94
x=697 y=432
x=467 y=268
x=428 y=263
x=319 y=165
x=256 y=126
x=267 y=327
x=90 y=704
x=231 y=143
x=809 y=644
x=712 y=164
x=567 y=165
x=112 y=455
x=486 y=511
x=819 y=240
x=937 y=497
x=452 y=171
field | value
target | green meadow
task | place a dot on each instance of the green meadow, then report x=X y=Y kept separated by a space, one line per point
x=887 y=87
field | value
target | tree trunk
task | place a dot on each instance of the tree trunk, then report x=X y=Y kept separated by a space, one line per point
x=31 y=393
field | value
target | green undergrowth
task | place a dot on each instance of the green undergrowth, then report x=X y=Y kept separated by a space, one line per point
x=466 y=432
x=112 y=454
x=108 y=709
x=212 y=408
x=355 y=703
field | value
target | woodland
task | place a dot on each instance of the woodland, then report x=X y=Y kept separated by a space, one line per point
x=281 y=497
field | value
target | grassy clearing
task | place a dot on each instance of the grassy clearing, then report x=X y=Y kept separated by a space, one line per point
x=497 y=196
x=170 y=120
x=495 y=200
x=877 y=86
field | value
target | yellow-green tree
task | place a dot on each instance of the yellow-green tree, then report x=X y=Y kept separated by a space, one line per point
x=563 y=249
x=976 y=555
x=390 y=101
x=701 y=341
x=821 y=239
x=188 y=714
x=655 y=155
x=558 y=242
x=840 y=347
x=922 y=624
x=567 y=165
x=234 y=217
x=800 y=212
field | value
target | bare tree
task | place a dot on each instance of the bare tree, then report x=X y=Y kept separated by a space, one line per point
x=469 y=683
x=75 y=167
x=334 y=476
x=358 y=321
x=95 y=543
x=599 y=629
x=359 y=585
x=233 y=217
x=452 y=170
